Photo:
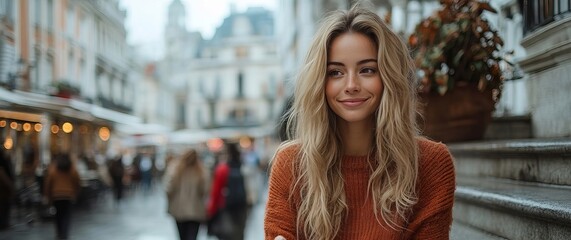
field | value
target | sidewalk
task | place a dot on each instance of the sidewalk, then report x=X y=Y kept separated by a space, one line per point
x=139 y=217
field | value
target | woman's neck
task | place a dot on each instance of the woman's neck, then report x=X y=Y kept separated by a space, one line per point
x=356 y=137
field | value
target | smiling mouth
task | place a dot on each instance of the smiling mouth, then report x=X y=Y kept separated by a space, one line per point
x=353 y=102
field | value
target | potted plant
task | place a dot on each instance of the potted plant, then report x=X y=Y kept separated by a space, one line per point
x=64 y=89
x=458 y=58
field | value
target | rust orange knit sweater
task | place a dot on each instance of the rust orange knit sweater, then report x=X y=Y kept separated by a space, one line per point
x=431 y=217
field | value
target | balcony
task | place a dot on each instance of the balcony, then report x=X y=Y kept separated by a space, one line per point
x=538 y=13
x=105 y=102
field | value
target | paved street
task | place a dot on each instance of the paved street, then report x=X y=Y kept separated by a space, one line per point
x=140 y=217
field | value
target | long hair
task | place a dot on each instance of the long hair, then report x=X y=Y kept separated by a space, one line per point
x=189 y=160
x=312 y=126
x=234 y=155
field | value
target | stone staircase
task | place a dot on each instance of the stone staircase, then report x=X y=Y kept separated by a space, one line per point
x=513 y=189
x=509 y=127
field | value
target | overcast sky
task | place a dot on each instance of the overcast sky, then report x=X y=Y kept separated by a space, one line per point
x=146 y=19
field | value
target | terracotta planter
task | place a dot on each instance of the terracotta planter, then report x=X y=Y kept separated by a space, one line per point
x=64 y=94
x=459 y=115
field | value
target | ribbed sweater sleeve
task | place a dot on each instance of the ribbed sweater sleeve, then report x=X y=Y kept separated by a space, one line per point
x=436 y=186
x=280 y=215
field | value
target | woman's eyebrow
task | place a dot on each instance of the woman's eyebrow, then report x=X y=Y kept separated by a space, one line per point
x=358 y=63
x=366 y=61
x=335 y=63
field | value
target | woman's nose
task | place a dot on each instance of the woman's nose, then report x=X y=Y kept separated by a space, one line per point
x=353 y=84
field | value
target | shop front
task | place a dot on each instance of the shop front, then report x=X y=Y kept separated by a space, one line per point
x=35 y=127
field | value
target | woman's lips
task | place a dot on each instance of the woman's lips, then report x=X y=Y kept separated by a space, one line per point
x=353 y=102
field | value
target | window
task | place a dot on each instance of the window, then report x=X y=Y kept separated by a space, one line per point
x=50 y=14
x=49 y=73
x=84 y=30
x=71 y=67
x=35 y=77
x=240 y=85
x=3 y=8
x=7 y=9
x=83 y=74
x=37 y=12
x=181 y=114
x=70 y=21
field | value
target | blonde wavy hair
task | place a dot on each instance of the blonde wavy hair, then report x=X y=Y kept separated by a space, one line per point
x=312 y=126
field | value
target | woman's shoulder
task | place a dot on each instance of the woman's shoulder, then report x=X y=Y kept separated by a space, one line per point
x=429 y=148
x=285 y=155
x=434 y=156
x=288 y=149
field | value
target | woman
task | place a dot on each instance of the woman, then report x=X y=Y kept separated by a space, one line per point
x=61 y=188
x=186 y=187
x=356 y=167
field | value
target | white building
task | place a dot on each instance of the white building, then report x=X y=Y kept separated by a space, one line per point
x=230 y=81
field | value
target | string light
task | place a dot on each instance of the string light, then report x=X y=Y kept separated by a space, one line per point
x=245 y=142
x=38 y=127
x=104 y=133
x=8 y=143
x=55 y=129
x=67 y=127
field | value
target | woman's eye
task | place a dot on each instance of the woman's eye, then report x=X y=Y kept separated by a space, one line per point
x=334 y=73
x=369 y=70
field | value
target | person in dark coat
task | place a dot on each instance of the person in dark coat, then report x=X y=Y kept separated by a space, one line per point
x=6 y=189
x=116 y=171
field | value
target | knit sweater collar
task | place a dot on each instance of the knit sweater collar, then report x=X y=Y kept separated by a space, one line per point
x=356 y=162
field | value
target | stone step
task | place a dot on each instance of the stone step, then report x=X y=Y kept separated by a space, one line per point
x=513 y=209
x=462 y=231
x=509 y=127
x=534 y=160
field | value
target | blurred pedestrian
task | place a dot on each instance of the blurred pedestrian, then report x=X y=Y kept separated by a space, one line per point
x=62 y=186
x=117 y=171
x=6 y=189
x=228 y=196
x=251 y=169
x=187 y=191
x=356 y=167
x=146 y=170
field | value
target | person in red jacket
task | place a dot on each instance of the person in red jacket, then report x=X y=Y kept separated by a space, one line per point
x=355 y=167
x=228 y=197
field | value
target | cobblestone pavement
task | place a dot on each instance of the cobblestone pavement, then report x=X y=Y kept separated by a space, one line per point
x=139 y=217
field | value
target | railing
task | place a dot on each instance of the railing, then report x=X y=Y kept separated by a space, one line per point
x=538 y=13
x=110 y=104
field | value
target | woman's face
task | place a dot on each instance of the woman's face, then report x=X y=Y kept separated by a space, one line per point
x=353 y=87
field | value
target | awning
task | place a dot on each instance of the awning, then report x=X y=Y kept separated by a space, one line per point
x=142 y=129
x=202 y=135
x=40 y=103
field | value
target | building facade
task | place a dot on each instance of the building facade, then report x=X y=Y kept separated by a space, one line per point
x=231 y=81
x=547 y=42
x=64 y=75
